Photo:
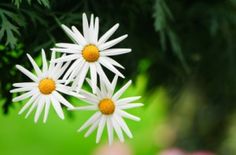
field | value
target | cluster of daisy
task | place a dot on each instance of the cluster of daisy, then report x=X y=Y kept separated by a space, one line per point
x=67 y=74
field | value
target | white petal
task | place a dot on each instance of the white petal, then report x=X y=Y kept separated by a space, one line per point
x=25 y=84
x=70 y=34
x=123 y=125
x=60 y=71
x=110 y=130
x=127 y=100
x=100 y=128
x=52 y=64
x=23 y=89
x=78 y=62
x=90 y=121
x=44 y=60
x=47 y=108
x=91 y=28
x=108 y=34
x=90 y=107
x=57 y=107
x=113 y=86
x=23 y=96
x=61 y=99
x=69 y=46
x=112 y=42
x=96 y=29
x=117 y=129
x=89 y=98
x=35 y=66
x=127 y=115
x=27 y=73
x=85 y=27
x=81 y=77
x=131 y=105
x=34 y=105
x=81 y=39
x=102 y=75
x=92 y=128
x=110 y=67
x=93 y=75
x=113 y=62
x=67 y=58
x=39 y=109
x=121 y=91
x=67 y=90
x=66 y=50
x=115 y=51
x=98 y=91
x=31 y=100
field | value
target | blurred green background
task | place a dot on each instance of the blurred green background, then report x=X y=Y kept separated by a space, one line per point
x=182 y=64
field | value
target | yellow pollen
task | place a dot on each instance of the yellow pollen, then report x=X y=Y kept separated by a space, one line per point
x=106 y=106
x=46 y=86
x=90 y=53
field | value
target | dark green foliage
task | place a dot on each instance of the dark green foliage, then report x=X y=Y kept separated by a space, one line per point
x=177 y=42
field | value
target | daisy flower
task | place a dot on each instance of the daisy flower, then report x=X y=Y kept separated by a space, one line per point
x=109 y=110
x=89 y=53
x=44 y=89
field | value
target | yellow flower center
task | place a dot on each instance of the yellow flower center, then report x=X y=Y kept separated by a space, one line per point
x=90 y=53
x=46 y=86
x=106 y=106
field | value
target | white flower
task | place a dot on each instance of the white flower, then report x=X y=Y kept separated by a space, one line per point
x=90 y=53
x=110 y=110
x=44 y=88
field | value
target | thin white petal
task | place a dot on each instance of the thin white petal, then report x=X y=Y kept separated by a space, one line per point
x=66 y=50
x=117 y=129
x=39 y=109
x=57 y=107
x=103 y=75
x=35 y=66
x=131 y=105
x=108 y=34
x=92 y=128
x=79 y=35
x=78 y=62
x=127 y=115
x=100 y=128
x=27 y=73
x=122 y=90
x=110 y=67
x=90 y=121
x=98 y=91
x=89 y=97
x=123 y=125
x=112 y=42
x=96 y=29
x=113 y=86
x=47 y=108
x=113 y=62
x=23 y=89
x=69 y=46
x=81 y=77
x=70 y=34
x=61 y=99
x=31 y=100
x=25 y=84
x=67 y=90
x=90 y=107
x=67 y=58
x=127 y=100
x=93 y=75
x=85 y=27
x=33 y=106
x=110 y=130
x=23 y=96
x=44 y=60
x=115 y=51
